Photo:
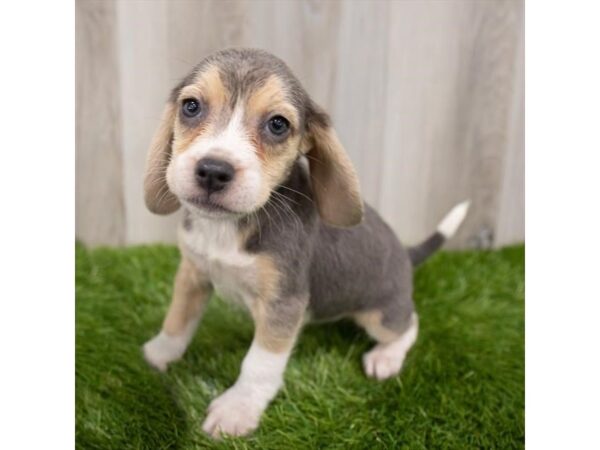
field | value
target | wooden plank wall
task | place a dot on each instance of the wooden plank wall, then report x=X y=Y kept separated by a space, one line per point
x=426 y=95
x=100 y=209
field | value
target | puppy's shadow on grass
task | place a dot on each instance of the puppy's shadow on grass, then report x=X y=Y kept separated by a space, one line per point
x=157 y=414
x=121 y=392
x=343 y=338
x=178 y=418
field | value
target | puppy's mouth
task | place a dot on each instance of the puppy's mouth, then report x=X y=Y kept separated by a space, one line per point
x=209 y=205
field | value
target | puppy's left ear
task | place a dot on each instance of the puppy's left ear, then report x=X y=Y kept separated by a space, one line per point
x=334 y=180
x=159 y=198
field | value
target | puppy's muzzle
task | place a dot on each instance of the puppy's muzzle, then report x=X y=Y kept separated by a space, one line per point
x=214 y=175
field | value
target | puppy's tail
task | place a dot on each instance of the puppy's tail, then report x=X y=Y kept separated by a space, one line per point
x=445 y=230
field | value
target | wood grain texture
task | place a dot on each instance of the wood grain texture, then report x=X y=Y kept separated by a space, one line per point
x=510 y=226
x=427 y=97
x=145 y=78
x=100 y=209
x=360 y=90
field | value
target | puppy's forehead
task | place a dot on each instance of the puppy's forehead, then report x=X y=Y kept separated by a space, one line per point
x=241 y=73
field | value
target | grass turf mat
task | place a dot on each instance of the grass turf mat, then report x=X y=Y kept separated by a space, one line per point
x=462 y=385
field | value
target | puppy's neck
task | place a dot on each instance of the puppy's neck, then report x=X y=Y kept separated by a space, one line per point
x=289 y=214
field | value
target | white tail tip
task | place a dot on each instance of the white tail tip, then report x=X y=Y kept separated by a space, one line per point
x=453 y=219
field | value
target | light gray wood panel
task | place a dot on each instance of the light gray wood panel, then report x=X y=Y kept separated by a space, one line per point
x=449 y=96
x=360 y=89
x=197 y=29
x=510 y=226
x=145 y=79
x=100 y=213
x=492 y=97
x=423 y=115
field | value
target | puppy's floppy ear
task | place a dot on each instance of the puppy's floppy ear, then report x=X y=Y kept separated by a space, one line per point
x=159 y=199
x=334 y=180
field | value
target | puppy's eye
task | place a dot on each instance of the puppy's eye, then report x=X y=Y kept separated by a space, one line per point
x=278 y=125
x=191 y=107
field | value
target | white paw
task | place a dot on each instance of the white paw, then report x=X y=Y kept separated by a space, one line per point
x=163 y=349
x=385 y=360
x=233 y=413
x=382 y=362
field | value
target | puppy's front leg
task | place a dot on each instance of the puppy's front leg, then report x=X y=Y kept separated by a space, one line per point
x=237 y=411
x=191 y=292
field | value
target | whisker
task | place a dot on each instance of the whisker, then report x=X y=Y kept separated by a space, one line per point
x=263 y=208
x=259 y=227
x=163 y=196
x=275 y=207
x=271 y=202
x=297 y=192
x=288 y=211
x=286 y=197
x=313 y=158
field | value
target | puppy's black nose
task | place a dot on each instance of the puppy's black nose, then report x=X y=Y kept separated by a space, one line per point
x=213 y=174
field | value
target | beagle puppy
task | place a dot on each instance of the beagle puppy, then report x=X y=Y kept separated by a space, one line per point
x=273 y=219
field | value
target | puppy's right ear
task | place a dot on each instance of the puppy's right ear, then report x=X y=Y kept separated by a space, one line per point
x=159 y=199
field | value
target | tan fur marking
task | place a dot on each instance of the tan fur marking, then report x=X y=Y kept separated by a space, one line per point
x=335 y=182
x=274 y=336
x=269 y=277
x=271 y=97
x=371 y=322
x=276 y=328
x=184 y=137
x=212 y=87
x=276 y=163
x=245 y=232
x=157 y=195
x=190 y=294
x=275 y=158
x=209 y=88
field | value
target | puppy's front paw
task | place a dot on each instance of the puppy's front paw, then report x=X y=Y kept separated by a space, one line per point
x=162 y=350
x=234 y=413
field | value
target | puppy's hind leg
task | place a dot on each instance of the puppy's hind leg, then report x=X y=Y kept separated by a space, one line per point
x=386 y=358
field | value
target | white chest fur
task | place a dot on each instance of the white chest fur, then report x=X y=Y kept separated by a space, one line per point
x=214 y=247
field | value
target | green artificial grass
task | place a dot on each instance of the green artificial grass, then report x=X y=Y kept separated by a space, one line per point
x=462 y=385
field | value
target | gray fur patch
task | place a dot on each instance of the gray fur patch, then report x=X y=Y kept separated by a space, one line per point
x=419 y=253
